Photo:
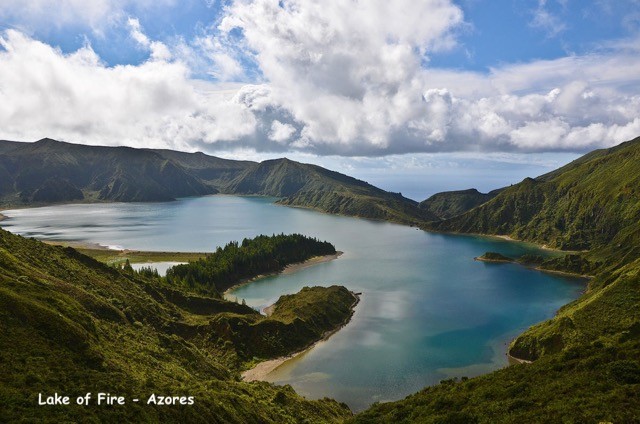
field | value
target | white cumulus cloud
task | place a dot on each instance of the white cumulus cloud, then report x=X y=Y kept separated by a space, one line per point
x=281 y=132
x=338 y=77
x=76 y=97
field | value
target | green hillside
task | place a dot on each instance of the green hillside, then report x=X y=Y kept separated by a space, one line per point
x=211 y=170
x=591 y=384
x=311 y=186
x=72 y=325
x=453 y=203
x=50 y=171
x=69 y=321
x=590 y=204
x=587 y=358
x=297 y=321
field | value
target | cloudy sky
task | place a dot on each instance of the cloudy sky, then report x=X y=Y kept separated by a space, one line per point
x=413 y=95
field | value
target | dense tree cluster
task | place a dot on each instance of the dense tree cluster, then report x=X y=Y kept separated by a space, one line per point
x=234 y=262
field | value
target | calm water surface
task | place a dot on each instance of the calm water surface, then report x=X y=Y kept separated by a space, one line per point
x=428 y=311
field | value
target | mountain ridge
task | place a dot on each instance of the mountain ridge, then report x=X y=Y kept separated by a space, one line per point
x=584 y=205
x=49 y=171
x=586 y=364
x=448 y=204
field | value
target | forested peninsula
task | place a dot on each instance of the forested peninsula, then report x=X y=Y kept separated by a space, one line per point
x=235 y=262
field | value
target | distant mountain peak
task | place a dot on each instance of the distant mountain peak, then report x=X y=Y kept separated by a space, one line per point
x=128 y=174
x=47 y=140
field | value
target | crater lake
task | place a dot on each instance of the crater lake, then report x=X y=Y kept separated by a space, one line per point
x=428 y=310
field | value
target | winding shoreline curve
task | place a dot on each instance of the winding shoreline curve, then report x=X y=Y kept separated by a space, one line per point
x=264 y=368
x=289 y=269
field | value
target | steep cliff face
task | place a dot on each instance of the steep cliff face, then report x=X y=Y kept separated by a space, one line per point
x=589 y=204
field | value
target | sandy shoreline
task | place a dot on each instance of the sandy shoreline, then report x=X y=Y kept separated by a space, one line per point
x=537 y=268
x=541 y=246
x=268 y=311
x=514 y=361
x=289 y=269
x=564 y=273
x=260 y=371
x=2 y=217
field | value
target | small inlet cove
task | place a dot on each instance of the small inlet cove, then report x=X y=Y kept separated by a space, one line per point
x=427 y=312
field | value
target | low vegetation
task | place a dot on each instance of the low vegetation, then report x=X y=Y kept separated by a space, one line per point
x=71 y=322
x=72 y=325
x=590 y=384
x=297 y=321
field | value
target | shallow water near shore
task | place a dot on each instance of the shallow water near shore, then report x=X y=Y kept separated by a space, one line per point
x=428 y=311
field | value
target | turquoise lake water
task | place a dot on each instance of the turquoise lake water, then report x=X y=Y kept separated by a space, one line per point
x=428 y=311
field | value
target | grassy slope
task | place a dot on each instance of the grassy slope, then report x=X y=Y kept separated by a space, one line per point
x=587 y=358
x=115 y=257
x=589 y=204
x=50 y=171
x=314 y=187
x=71 y=324
x=297 y=322
x=453 y=203
x=591 y=384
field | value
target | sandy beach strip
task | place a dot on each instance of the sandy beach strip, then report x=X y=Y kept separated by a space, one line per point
x=260 y=371
x=513 y=360
x=289 y=269
x=268 y=311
